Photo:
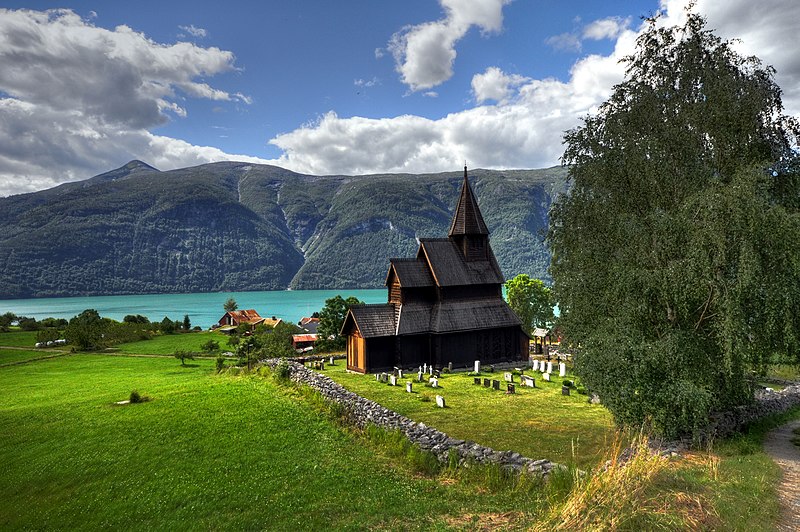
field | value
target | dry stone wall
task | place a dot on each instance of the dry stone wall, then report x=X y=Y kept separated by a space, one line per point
x=364 y=412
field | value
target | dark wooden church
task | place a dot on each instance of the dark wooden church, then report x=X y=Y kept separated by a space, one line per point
x=445 y=305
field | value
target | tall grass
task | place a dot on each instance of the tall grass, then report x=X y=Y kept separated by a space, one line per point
x=629 y=494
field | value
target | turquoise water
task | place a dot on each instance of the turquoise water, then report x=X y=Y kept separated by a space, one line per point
x=203 y=309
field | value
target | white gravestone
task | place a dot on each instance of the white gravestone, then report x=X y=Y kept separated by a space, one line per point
x=399 y=373
x=440 y=401
x=419 y=375
x=408 y=387
x=425 y=368
x=549 y=367
x=546 y=376
x=392 y=380
x=434 y=382
x=562 y=369
x=330 y=361
x=508 y=376
x=535 y=365
x=477 y=366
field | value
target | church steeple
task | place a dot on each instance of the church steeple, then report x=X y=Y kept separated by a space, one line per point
x=468 y=230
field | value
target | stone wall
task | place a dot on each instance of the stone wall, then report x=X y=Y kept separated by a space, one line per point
x=766 y=403
x=364 y=412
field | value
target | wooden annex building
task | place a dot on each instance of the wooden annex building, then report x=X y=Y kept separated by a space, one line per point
x=445 y=305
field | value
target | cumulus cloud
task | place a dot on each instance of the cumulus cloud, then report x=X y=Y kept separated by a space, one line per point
x=194 y=31
x=424 y=53
x=524 y=128
x=564 y=42
x=494 y=84
x=76 y=99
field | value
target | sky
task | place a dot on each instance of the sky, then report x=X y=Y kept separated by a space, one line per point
x=321 y=87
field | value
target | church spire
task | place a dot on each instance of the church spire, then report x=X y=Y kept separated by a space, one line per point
x=467 y=219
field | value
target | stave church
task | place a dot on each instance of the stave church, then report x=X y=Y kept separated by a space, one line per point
x=444 y=306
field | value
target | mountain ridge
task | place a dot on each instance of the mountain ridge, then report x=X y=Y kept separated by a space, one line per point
x=231 y=226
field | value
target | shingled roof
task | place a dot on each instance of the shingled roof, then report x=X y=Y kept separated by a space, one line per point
x=413 y=273
x=450 y=268
x=467 y=219
x=372 y=320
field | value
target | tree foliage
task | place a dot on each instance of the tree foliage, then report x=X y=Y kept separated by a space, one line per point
x=230 y=305
x=675 y=254
x=331 y=319
x=85 y=331
x=531 y=300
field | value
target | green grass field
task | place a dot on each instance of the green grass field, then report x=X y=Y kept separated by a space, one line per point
x=167 y=344
x=538 y=423
x=218 y=451
x=17 y=338
x=207 y=452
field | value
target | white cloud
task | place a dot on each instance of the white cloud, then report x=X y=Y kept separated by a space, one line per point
x=194 y=31
x=607 y=28
x=76 y=99
x=494 y=84
x=564 y=42
x=424 y=53
x=366 y=82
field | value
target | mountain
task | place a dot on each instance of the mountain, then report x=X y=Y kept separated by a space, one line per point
x=236 y=226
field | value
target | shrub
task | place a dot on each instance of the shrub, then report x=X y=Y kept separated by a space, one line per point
x=136 y=397
x=220 y=363
x=282 y=370
x=210 y=346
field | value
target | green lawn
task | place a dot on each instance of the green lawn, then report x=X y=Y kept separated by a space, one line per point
x=538 y=423
x=207 y=452
x=167 y=344
x=17 y=338
x=12 y=356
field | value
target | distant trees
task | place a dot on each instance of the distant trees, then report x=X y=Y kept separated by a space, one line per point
x=85 y=331
x=230 y=305
x=531 y=300
x=277 y=342
x=167 y=326
x=6 y=320
x=210 y=346
x=675 y=253
x=187 y=324
x=331 y=319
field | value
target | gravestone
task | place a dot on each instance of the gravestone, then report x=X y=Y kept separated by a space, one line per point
x=425 y=368
x=508 y=376
x=384 y=377
x=565 y=390
x=546 y=376
x=529 y=381
x=535 y=365
x=477 y=366
x=434 y=382
x=487 y=383
x=476 y=381
x=330 y=361
x=511 y=388
x=419 y=375
x=450 y=367
x=562 y=369
x=399 y=373
x=495 y=385
x=440 y=401
x=549 y=367
x=437 y=373
x=430 y=370
x=378 y=377
x=408 y=387
x=393 y=380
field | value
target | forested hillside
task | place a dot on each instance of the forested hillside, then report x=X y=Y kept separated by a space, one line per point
x=238 y=226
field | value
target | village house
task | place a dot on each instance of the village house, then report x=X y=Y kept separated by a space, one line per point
x=233 y=318
x=444 y=305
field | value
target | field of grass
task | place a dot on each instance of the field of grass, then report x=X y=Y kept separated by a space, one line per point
x=538 y=423
x=167 y=344
x=17 y=338
x=213 y=451
x=13 y=356
x=219 y=451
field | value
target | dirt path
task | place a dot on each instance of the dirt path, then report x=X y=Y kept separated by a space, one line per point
x=779 y=447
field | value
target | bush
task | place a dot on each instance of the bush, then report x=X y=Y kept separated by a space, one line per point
x=210 y=346
x=136 y=397
x=220 y=363
x=282 y=370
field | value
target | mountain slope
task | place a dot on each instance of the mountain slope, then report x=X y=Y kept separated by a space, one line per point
x=237 y=226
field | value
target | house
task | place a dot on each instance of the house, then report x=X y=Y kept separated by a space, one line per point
x=302 y=342
x=233 y=318
x=309 y=324
x=444 y=305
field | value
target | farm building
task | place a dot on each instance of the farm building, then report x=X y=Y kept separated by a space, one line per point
x=444 y=305
x=233 y=318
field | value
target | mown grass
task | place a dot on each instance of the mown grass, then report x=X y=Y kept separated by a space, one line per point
x=14 y=356
x=538 y=423
x=17 y=338
x=167 y=344
x=206 y=452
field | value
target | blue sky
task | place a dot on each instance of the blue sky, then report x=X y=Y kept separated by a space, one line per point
x=325 y=87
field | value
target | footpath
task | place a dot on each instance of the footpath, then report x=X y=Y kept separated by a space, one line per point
x=779 y=447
